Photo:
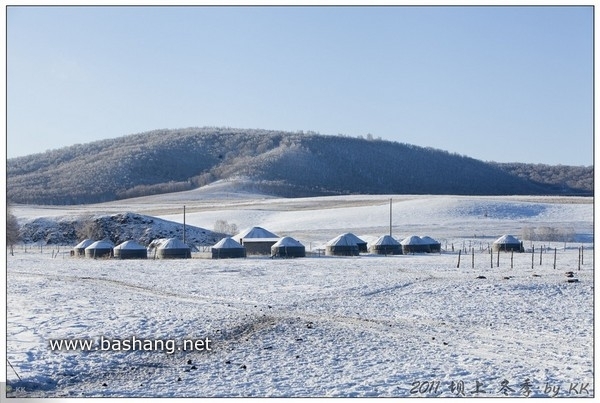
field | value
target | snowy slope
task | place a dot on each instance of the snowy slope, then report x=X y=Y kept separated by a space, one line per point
x=441 y=217
x=366 y=326
x=120 y=227
x=410 y=325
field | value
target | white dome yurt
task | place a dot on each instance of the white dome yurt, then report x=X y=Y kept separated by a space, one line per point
x=130 y=250
x=342 y=245
x=433 y=245
x=79 y=249
x=228 y=248
x=413 y=244
x=507 y=243
x=288 y=247
x=362 y=245
x=97 y=249
x=386 y=245
x=173 y=248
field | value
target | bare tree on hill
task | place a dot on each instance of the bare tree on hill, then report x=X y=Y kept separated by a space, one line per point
x=12 y=230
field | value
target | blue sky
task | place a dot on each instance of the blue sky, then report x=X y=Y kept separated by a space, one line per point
x=506 y=84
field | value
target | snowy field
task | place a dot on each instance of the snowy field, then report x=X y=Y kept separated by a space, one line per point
x=368 y=326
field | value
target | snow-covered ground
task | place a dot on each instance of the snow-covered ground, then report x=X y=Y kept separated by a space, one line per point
x=410 y=325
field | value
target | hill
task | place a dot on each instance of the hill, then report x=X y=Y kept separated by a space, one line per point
x=563 y=178
x=117 y=228
x=278 y=163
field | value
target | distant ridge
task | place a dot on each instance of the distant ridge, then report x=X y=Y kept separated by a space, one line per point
x=278 y=163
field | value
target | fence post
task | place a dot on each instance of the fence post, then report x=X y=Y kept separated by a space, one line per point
x=473 y=258
x=511 y=258
x=532 y=255
x=498 y=259
x=458 y=264
x=554 y=258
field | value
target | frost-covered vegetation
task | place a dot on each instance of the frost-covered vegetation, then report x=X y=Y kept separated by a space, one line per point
x=563 y=177
x=278 y=163
x=121 y=227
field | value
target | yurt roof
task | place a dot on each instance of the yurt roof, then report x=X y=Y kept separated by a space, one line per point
x=84 y=244
x=386 y=240
x=412 y=240
x=130 y=245
x=173 y=243
x=104 y=244
x=156 y=243
x=507 y=239
x=352 y=236
x=228 y=243
x=343 y=240
x=287 y=241
x=256 y=232
x=429 y=240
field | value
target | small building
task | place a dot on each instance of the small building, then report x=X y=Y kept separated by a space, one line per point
x=288 y=247
x=228 y=248
x=173 y=248
x=433 y=245
x=507 y=243
x=413 y=244
x=257 y=240
x=98 y=249
x=362 y=245
x=130 y=250
x=386 y=245
x=79 y=249
x=342 y=245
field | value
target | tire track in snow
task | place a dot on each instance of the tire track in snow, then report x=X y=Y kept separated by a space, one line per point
x=359 y=290
x=197 y=299
x=223 y=302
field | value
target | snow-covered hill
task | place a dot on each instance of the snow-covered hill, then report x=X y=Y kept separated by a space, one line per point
x=398 y=326
x=120 y=227
x=274 y=162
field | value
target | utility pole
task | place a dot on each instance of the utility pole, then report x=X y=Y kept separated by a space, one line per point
x=390 y=217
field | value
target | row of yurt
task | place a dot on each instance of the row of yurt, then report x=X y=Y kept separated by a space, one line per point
x=171 y=248
x=416 y=244
x=259 y=241
x=105 y=248
x=228 y=248
x=507 y=243
x=97 y=249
